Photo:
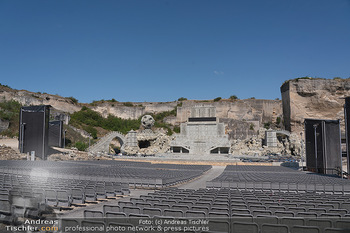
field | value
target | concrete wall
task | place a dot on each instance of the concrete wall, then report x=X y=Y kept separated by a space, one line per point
x=248 y=110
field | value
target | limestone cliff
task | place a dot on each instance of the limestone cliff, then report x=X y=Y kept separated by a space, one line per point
x=27 y=98
x=313 y=98
x=254 y=111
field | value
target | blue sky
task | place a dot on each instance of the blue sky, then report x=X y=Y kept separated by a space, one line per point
x=160 y=50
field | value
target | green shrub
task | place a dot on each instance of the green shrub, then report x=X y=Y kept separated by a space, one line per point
x=182 y=99
x=278 y=120
x=217 y=99
x=267 y=125
x=82 y=146
x=9 y=111
x=4 y=85
x=91 y=118
x=92 y=131
x=251 y=126
x=176 y=129
x=128 y=104
x=74 y=100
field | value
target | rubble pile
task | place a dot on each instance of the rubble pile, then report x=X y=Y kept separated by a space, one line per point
x=254 y=146
x=7 y=153
x=71 y=155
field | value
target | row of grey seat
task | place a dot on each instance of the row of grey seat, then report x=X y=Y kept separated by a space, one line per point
x=30 y=196
x=277 y=179
x=193 y=204
x=257 y=225
x=139 y=174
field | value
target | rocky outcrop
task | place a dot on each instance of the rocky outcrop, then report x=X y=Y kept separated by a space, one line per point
x=313 y=98
x=133 y=110
x=4 y=125
x=27 y=98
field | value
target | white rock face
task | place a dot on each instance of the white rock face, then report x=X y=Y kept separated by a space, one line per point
x=28 y=98
x=313 y=98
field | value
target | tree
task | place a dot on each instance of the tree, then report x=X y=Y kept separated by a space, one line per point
x=233 y=97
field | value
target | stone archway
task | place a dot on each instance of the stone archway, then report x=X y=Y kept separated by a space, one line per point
x=103 y=144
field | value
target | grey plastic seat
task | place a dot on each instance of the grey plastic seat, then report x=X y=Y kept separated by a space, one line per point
x=305 y=229
x=284 y=213
x=51 y=197
x=321 y=223
x=240 y=211
x=342 y=212
x=218 y=225
x=152 y=211
x=265 y=219
x=292 y=221
x=336 y=230
x=261 y=212
x=143 y=205
x=63 y=198
x=173 y=213
x=115 y=217
x=331 y=215
x=245 y=227
x=195 y=214
x=90 y=194
x=241 y=218
x=274 y=228
x=93 y=214
x=345 y=224
x=111 y=208
x=318 y=211
x=78 y=196
x=218 y=215
x=307 y=214
x=6 y=212
x=131 y=210
x=162 y=206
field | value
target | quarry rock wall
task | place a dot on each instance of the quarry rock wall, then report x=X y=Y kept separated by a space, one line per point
x=27 y=98
x=313 y=98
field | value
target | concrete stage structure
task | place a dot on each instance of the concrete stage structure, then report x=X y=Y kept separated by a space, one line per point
x=202 y=134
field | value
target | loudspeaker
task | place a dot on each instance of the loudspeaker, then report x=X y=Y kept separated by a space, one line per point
x=347 y=129
x=34 y=130
x=323 y=146
x=56 y=133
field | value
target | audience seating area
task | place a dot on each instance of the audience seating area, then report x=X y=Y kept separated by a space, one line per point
x=232 y=210
x=29 y=189
x=277 y=179
x=243 y=199
x=139 y=174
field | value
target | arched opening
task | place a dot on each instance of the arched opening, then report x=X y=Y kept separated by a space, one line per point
x=116 y=145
